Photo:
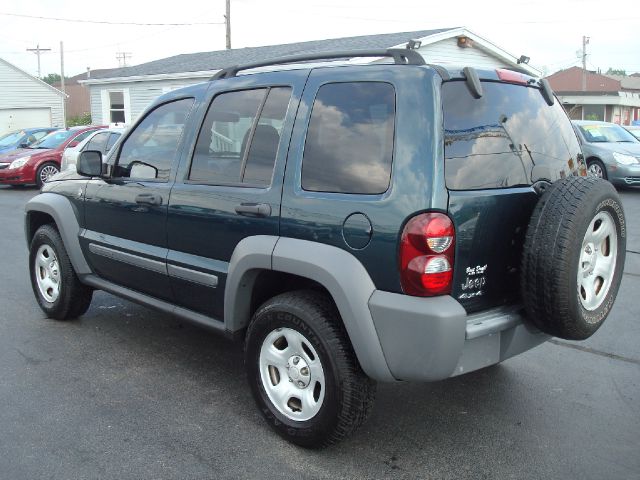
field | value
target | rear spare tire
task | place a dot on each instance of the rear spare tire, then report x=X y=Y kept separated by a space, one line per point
x=573 y=257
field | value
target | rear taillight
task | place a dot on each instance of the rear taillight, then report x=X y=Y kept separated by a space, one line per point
x=426 y=255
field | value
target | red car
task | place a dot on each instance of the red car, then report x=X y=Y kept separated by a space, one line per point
x=38 y=162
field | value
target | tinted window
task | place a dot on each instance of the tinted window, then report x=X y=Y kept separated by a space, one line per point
x=231 y=147
x=349 y=143
x=150 y=151
x=54 y=139
x=112 y=141
x=508 y=137
x=97 y=142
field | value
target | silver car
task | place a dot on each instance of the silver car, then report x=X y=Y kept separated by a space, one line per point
x=102 y=141
x=611 y=152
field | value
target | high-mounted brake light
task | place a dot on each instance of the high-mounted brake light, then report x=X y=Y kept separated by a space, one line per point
x=426 y=255
x=512 y=77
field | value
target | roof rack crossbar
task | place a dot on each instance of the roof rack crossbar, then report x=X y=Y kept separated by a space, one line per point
x=400 y=56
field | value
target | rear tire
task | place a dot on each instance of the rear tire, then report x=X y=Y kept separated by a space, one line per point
x=303 y=372
x=55 y=284
x=573 y=257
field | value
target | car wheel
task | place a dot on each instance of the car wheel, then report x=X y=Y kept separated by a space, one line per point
x=597 y=169
x=45 y=172
x=303 y=372
x=573 y=257
x=55 y=284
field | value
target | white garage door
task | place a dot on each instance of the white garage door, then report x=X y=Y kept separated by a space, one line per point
x=17 y=118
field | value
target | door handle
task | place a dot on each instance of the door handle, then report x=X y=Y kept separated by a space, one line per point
x=254 y=209
x=149 y=199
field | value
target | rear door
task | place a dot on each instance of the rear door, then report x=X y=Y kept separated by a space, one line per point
x=496 y=148
x=231 y=186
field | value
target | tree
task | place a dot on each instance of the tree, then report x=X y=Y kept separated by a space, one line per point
x=51 y=78
x=616 y=71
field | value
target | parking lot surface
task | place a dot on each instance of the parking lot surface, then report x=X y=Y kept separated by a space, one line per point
x=127 y=392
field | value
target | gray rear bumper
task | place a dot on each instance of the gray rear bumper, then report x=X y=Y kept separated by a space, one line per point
x=428 y=339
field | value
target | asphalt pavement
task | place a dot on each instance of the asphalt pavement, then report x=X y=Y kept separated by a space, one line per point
x=130 y=393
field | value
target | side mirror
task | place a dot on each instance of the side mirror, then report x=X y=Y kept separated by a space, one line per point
x=24 y=145
x=90 y=164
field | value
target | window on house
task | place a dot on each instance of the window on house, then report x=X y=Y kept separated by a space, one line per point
x=116 y=107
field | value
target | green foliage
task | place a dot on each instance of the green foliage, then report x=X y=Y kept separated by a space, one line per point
x=591 y=116
x=616 y=71
x=51 y=78
x=84 y=119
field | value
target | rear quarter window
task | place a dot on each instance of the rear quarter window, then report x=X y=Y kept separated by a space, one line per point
x=508 y=137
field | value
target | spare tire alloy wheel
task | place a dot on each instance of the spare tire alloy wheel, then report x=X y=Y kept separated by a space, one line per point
x=573 y=257
x=303 y=372
x=597 y=261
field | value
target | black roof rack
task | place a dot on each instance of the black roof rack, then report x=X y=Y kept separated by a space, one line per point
x=400 y=56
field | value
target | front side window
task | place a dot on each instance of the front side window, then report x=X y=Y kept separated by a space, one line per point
x=54 y=139
x=150 y=151
x=112 y=140
x=97 y=142
x=349 y=144
x=239 y=139
x=116 y=107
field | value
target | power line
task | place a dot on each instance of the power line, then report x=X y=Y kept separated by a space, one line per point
x=104 y=22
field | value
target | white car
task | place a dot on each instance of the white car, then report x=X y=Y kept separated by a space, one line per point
x=100 y=140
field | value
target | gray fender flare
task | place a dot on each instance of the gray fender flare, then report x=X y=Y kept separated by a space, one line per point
x=337 y=270
x=63 y=213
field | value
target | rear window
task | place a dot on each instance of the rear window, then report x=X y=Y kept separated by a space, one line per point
x=509 y=137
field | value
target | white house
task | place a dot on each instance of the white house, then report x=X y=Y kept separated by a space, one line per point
x=123 y=94
x=27 y=101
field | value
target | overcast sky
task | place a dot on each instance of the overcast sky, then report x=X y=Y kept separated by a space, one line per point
x=550 y=32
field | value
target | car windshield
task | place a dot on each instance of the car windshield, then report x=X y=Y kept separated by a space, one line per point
x=599 y=133
x=54 y=139
x=11 y=138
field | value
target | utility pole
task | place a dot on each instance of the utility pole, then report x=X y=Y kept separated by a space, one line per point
x=37 y=51
x=227 y=21
x=585 y=42
x=122 y=58
x=64 y=98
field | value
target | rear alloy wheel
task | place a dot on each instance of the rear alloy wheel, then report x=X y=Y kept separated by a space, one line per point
x=596 y=169
x=303 y=372
x=573 y=257
x=45 y=172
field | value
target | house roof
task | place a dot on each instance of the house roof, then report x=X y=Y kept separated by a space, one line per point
x=182 y=65
x=31 y=77
x=206 y=61
x=570 y=80
x=627 y=82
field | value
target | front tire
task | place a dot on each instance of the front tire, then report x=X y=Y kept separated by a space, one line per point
x=597 y=169
x=45 y=172
x=55 y=284
x=303 y=372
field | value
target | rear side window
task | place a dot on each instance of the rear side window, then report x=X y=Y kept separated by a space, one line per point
x=349 y=144
x=98 y=142
x=239 y=139
x=508 y=137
